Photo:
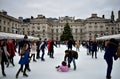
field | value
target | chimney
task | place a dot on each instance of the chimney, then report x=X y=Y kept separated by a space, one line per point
x=119 y=14
x=32 y=17
x=112 y=16
x=20 y=18
x=103 y=16
x=4 y=12
x=94 y=15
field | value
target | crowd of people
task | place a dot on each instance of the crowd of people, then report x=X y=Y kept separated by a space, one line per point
x=30 y=50
x=109 y=46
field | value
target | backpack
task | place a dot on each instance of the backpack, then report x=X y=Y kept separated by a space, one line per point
x=75 y=54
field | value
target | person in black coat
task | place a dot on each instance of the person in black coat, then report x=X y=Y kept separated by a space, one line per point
x=69 y=44
x=94 y=49
x=52 y=44
x=3 y=55
x=21 y=44
x=38 y=50
x=42 y=47
x=110 y=53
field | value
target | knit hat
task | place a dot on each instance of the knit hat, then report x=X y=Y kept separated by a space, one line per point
x=25 y=37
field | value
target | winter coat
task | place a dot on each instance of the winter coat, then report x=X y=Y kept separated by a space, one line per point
x=0 y=54
x=111 y=50
x=10 y=48
x=70 y=43
x=63 y=68
x=38 y=44
x=3 y=54
x=52 y=44
x=24 y=58
x=43 y=45
x=33 y=48
x=48 y=45
x=94 y=46
x=71 y=54
x=77 y=44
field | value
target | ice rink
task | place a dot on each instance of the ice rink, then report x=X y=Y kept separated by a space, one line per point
x=87 y=68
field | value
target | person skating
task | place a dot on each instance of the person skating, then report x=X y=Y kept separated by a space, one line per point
x=3 y=55
x=110 y=53
x=24 y=60
x=42 y=48
x=33 y=50
x=11 y=51
x=21 y=43
x=52 y=44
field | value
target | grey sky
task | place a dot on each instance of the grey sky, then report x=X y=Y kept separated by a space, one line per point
x=59 y=8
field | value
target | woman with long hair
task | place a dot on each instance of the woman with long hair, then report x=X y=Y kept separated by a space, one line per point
x=24 y=60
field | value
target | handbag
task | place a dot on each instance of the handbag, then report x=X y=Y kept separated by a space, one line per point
x=118 y=52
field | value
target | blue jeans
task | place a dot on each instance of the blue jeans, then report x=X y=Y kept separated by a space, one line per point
x=43 y=53
x=109 y=67
x=72 y=60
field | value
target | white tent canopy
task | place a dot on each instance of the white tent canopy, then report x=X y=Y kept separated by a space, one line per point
x=116 y=36
x=15 y=36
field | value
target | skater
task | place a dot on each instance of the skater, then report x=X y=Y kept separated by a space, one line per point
x=42 y=48
x=38 y=50
x=110 y=53
x=21 y=43
x=63 y=67
x=24 y=60
x=70 y=44
x=33 y=50
x=52 y=44
x=3 y=55
x=71 y=55
x=77 y=45
x=11 y=51
x=94 y=49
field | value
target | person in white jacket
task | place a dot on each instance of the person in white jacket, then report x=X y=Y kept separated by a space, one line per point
x=33 y=50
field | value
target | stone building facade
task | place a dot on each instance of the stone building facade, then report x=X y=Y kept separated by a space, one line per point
x=9 y=24
x=42 y=27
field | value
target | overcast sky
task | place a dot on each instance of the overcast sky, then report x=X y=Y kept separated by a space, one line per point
x=81 y=9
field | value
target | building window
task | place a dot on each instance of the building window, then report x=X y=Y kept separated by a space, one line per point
x=56 y=30
x=33 y=27
x=106 y=28
x=101 y=26
x=38 y=28
x=81 y=30
x=89 y=33
x=43 y=31
x=90 y=26
x=52 y=30
x=0 y=21
x=4 y=29
x=75 y=30
x=8 y=29
x=95 y=26
x=4 y=22
x=0 y=28
x=43 y=27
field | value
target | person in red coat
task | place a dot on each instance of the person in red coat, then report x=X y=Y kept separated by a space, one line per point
x=48 y=47
x=11 y=51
